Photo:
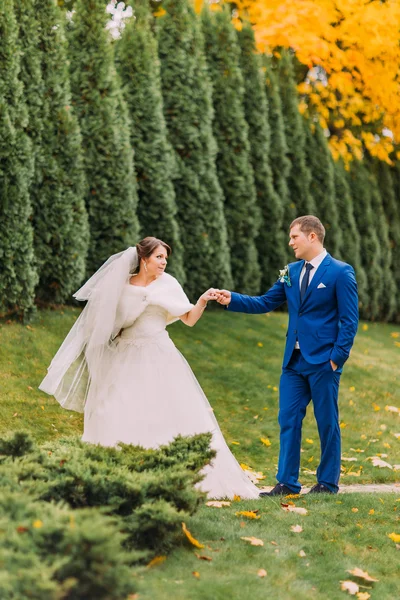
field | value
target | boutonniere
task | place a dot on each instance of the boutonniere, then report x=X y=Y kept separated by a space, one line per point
x=284 y=276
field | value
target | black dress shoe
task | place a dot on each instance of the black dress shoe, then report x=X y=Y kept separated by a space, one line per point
x=279 y=490
x=319 y=488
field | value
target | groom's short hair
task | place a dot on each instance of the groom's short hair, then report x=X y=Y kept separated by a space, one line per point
x=310 y=224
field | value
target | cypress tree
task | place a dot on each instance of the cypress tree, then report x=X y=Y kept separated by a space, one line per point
x=322 y=185
x=139 y=68
x=18 y=274
x=111 y=197
x=350 y=249
x=30 y=69
x=299 y=177
x=233 y=159
x=388 y=298
x=188 y=114
x=391 y=205
x=61 y=233
x=279 y=161
x=270 y=242
x=371 y=252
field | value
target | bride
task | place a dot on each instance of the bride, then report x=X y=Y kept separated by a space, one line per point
x=119 y=366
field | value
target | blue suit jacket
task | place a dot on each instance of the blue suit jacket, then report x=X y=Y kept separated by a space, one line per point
x=325 y=323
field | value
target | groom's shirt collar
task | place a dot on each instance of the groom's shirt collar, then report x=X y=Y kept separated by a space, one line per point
x=315 y=262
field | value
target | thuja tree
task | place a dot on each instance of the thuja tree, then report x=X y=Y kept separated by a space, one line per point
x=350 y=249
x=61 y=232
x=279 y=161
x=139 y=68
x=299 y=177
x=371 y=252
x=18 y=275
x=233 y=159
x=391 y=206
x=30 y=68
x=322 y=185
x=388 y=301
x=188 y=114
x=271 y=240
x=111 y=195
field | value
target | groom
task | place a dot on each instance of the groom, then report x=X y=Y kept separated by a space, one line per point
x=321 y=293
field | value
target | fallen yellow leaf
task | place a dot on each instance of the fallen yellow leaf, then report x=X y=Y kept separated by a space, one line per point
x=302 y=554
x=37 y=524
x=395 y=537
x=250 y=514
x=189 y=536
x=309 y=441
x=363 y=595
x=203 y=557
x=296 y=528
x=342 y=425
x=253 y=541
x=262 y=573
x=235 y=443
x=365 y=327
x=352 y=388
x=395 y=334
x=157 y=560
x=218 y=503
x=371 y=512
x=196 y=574
x=361 y=574
x=349 y=586
x=260 y=344
x=266 y=442
x=355 y=510
x=236 y=498
x=375 y=407
x=275 y=388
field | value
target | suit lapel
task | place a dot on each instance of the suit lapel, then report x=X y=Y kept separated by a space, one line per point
x=316 y=280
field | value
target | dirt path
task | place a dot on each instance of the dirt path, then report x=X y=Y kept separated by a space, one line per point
x=367 y=488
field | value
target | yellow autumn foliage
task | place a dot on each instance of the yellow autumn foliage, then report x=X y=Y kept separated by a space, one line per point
x=355 y=44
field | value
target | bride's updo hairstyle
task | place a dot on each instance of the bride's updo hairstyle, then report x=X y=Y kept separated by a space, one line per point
x=146 y=247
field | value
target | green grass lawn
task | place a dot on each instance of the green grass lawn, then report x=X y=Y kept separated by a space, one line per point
x=237 y=360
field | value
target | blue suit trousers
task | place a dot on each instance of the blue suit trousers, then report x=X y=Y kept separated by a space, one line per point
x=300 y=383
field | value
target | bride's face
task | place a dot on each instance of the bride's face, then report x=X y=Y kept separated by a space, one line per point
x=157 y=262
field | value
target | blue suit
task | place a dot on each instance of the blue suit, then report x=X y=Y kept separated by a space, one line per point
x=325 y=324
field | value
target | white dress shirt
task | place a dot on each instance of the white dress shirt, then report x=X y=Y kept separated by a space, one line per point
x=315 y=262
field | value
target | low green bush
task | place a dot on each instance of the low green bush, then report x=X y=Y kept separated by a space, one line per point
x=77 y=518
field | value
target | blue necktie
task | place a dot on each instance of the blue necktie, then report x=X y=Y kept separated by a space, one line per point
x=305 y=281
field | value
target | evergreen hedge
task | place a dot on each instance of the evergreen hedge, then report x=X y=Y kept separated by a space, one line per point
x=111 y=196
x=299 y=177
x=139 y=68
x=77 y=517
x=233 y=159
x=350 y=248
x=391 y=205
x=322 y=185
x=18 y=275
x=371 y=251
x=271 y=241
x=61 y=231
x=188 y=114
x=279 y=161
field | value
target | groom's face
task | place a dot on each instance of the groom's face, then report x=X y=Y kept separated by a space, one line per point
x=301 y=243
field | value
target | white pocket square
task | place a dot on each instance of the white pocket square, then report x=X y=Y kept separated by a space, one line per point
x=320 y=286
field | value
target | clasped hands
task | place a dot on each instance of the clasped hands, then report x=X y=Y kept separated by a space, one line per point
x=221 y=296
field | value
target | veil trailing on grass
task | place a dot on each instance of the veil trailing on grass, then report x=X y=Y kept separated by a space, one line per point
x=79 y=358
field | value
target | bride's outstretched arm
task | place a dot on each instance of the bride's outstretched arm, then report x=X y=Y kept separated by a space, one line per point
x=190 y=318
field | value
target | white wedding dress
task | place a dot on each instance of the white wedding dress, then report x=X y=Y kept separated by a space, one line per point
x=147 y=394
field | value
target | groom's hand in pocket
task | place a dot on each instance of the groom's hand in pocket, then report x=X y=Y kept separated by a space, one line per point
x=334 y=366
x=223 y=297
